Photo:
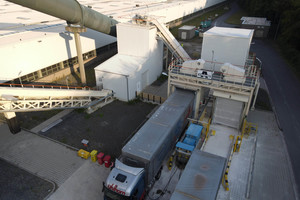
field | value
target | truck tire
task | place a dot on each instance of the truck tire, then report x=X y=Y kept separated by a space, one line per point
x=158 y=174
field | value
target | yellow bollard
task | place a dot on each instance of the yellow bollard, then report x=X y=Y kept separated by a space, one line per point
x=213 y=132
x=94 y=155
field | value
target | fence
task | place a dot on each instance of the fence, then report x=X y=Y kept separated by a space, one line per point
x=151 y=98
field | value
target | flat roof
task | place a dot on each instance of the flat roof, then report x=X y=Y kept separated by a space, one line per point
x=258 y=21
x=201 y=177
x=185 y=27
x=230 y=32
x=121 y=64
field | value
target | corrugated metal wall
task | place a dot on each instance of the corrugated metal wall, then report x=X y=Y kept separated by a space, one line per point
x=227 y=112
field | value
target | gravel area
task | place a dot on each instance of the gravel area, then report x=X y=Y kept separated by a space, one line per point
x=107 y=129
x=16 y=183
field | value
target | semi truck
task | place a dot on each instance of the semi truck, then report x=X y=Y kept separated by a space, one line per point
x=141 y=160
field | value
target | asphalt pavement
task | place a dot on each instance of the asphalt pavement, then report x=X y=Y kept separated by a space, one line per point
x=284 y=91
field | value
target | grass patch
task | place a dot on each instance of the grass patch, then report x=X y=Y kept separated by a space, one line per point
x=134 y=101
x=80 y=110
x=30 y=120
x=236 y=17
x=87 y=116
x=213 y=14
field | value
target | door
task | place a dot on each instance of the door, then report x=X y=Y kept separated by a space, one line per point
x=183 y=35
x=228 y=112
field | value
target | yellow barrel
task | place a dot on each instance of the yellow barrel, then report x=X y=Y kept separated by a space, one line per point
x=83 y=154
x=94 y=155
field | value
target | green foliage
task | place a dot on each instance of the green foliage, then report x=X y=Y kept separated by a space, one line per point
x=285 y=25
x=87 y=116
x=196 y=21
x=236 y=17
x=80 y=110
x=134 y=101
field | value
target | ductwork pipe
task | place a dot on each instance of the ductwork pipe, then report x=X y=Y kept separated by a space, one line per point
x=73 y=12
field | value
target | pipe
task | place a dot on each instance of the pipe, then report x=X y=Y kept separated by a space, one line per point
x=73 y=12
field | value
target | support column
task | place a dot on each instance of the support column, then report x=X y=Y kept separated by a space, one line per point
x=255 y=96
x=12 y=122
x=167 y=58
x=249 y=102
x=40 y=75
x=77 y=31
x=197 y=103
x=169 y=86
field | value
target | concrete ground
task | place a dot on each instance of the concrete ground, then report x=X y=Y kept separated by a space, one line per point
x=79 y=179
x=271 y=176
x=85 y=183
x=57 y=162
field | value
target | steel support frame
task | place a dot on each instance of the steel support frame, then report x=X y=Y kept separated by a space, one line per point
x=40 y=105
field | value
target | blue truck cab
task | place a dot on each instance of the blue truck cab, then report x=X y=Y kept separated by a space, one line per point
x=185 y=147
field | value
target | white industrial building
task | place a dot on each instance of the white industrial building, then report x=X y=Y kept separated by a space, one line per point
x=34 y=45
x=137 y=64
x=226 y=45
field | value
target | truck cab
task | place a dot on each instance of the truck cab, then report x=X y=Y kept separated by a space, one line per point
x=125 y=183
x=188 y=143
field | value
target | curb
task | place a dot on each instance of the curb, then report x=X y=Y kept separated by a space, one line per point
x=250 y=174
x=273 y=108
x=290 y=166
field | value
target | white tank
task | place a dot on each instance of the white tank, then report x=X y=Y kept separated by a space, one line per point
x=192 y=66
x=233 y=73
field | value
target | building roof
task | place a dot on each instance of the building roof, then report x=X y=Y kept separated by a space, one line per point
x=229 y=32
x=185 y=27
x=258 y=21
x=201 y=177
x=121 y=64
x=24 y=32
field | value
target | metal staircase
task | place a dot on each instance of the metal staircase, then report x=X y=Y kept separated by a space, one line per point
x=24 y=98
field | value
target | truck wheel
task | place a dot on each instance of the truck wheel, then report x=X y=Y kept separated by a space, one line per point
x=158 y=174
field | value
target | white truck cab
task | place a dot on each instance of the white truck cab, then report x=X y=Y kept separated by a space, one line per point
x=124 y=182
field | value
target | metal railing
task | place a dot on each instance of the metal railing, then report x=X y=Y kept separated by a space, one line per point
x=44 y=86
x=217 y=78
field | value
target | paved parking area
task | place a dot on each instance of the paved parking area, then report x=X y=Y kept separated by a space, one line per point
x=38 y=155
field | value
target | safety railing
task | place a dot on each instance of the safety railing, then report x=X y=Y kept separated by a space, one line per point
x=44 y=86
x=211 y=76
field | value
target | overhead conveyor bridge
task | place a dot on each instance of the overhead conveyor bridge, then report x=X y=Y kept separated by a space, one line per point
x=39 y=98
x=170 y=41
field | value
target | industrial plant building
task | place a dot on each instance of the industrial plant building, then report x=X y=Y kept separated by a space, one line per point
x=34 y=45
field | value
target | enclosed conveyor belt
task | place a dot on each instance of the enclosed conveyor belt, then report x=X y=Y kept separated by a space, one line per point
x=170 y=40
x=14 y=99
x=73 y=12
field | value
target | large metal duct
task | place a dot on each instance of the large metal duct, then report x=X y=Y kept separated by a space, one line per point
x=73 y=12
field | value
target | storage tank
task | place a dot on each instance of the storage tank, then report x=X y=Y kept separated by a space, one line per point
x=233 y=73
x=192 y=66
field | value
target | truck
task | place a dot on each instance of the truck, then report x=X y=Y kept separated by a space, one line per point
x=188 y=143
x=141 y=160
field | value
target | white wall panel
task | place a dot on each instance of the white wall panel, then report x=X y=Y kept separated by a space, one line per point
x=29 y=55
x=226 y=48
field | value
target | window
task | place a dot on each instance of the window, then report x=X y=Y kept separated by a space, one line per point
x=121 y=178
